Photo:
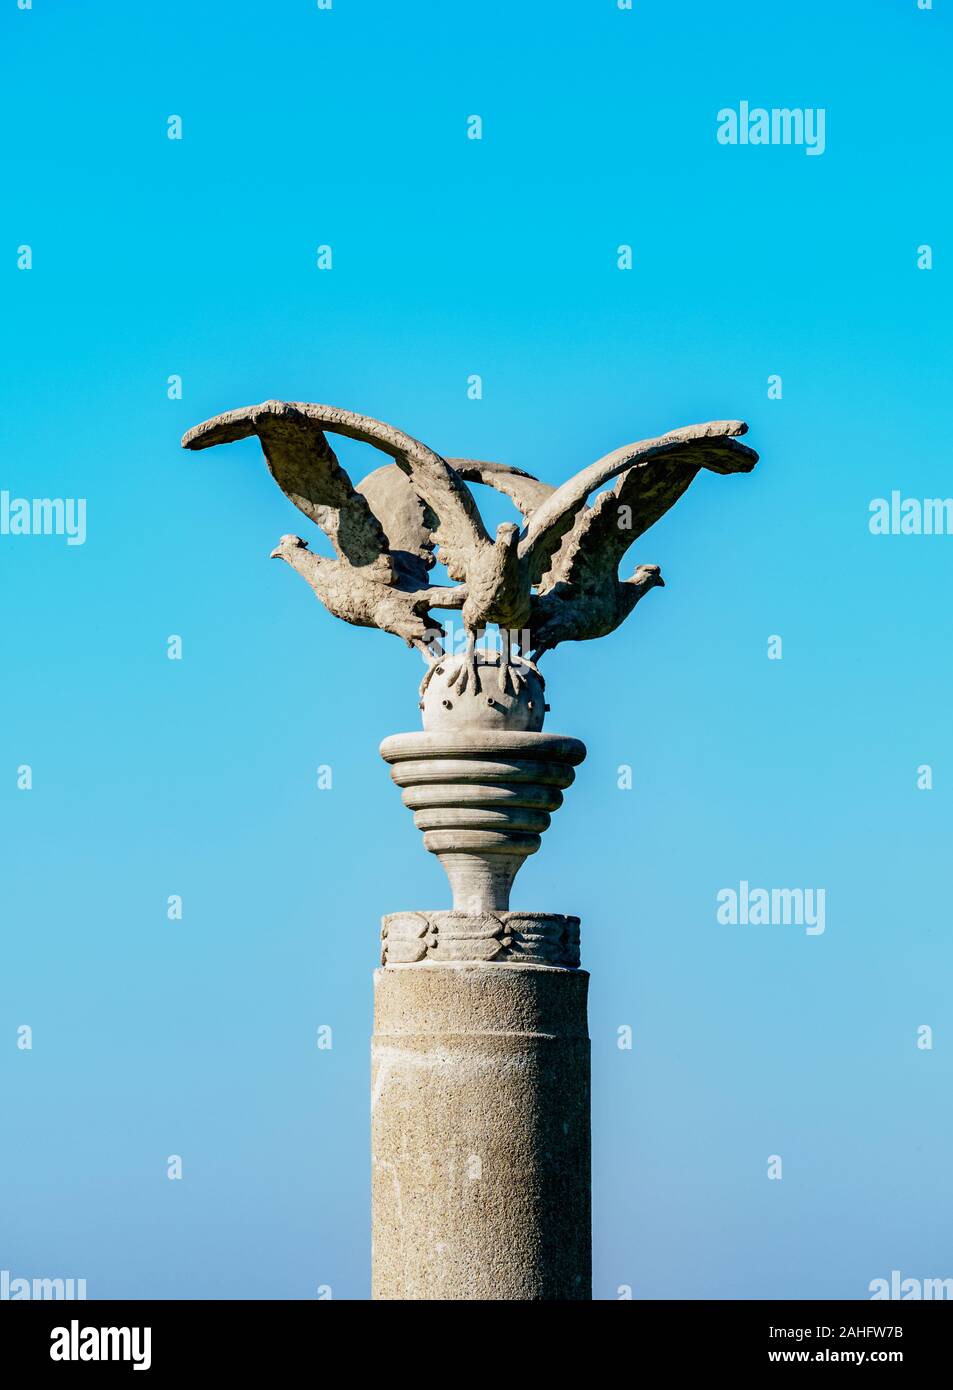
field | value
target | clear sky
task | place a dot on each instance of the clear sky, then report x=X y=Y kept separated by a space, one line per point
x=196 y=258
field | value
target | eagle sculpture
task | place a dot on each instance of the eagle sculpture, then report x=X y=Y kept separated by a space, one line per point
x=554 y=579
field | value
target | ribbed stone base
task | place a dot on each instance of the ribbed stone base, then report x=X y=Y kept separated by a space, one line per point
x=483 y=798
x=480 y=1132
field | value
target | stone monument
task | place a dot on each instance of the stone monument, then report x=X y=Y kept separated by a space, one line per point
x=480 y=1056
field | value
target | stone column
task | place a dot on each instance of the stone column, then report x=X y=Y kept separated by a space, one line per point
x=481 y=1067
x=480 y=1132
x=480 y=1058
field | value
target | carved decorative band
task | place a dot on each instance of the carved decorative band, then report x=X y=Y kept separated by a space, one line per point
x=533 y=938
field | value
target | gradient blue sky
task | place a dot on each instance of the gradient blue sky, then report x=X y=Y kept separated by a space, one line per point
x=152 y=777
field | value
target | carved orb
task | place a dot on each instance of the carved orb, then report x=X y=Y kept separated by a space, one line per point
x=483 y=705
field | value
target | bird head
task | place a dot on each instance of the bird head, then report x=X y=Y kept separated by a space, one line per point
x=647 y=577
x=285 y=544
x=507 y=533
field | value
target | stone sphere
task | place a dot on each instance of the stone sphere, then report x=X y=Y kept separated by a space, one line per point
x=485 y=706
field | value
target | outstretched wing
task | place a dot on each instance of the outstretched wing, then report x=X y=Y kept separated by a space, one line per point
x=527 y=492
x=460 y=532
x=589 y=556
x=304 y=466
x=712 y=445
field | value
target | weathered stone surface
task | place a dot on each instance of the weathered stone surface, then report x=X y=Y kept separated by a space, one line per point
x=500 y=697
x=482 y=798
x=544 y=938
x=480 y=1133
x=385 y=539
x=481 y=1055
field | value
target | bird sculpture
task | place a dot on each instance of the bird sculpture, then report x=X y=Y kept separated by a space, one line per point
x=555 y=579
x=379 y=578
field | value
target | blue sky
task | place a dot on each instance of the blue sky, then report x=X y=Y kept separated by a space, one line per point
x=153 y=257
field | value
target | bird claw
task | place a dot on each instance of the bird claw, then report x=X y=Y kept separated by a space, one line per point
x=466 y=675
x=511 y=679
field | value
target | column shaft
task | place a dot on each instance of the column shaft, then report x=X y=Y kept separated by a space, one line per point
x=480 y=1132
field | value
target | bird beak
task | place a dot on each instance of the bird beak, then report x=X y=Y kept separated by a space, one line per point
x=286 y=542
